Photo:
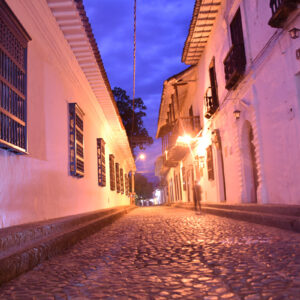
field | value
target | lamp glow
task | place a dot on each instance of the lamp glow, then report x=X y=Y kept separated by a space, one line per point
x=186 y=139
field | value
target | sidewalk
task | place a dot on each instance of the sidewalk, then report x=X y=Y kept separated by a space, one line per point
x=281 y=216
x=23 y=247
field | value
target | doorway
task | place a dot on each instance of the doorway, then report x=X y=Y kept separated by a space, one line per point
x=250 y=164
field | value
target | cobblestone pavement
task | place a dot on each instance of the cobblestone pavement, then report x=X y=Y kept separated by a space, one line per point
x=168 y=253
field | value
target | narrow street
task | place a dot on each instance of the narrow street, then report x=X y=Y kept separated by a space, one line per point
x=168 y=253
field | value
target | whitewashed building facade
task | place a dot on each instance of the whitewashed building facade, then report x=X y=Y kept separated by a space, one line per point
x=247 y=57
x=64 y=149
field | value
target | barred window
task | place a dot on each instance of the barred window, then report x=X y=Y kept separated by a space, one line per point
x=118 y=177
x=76 y=140
x=130 y=178
x=101 y=162
x=112 y=172
x=13 y=85
x=122 y=180
x=210 y=163
x=126 y=185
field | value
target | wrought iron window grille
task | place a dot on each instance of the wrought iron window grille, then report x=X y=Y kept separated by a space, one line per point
x=13 y=82
x=118 y=178
x=122 y=181
x=76 y=142
x=101 y=162
x=112 y=172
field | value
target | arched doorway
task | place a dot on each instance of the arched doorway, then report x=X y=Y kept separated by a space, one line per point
x=250 y=165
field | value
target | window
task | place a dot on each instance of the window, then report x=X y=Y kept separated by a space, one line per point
x=235 y=61
x=76 y=140
x=126 y=185
x=122 y=181
x=13 y=85
x=112 y=172
x=211 y=96
x=118 y=177
x=210 y=163
x=130 y=179
x=101 y=162
x=213 y=83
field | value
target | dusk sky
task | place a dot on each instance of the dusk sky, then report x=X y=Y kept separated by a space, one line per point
x=162 y=27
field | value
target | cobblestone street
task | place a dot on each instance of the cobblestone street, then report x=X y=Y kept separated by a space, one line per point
x=167 y=253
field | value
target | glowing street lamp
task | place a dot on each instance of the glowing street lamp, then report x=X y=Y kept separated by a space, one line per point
x=186 y=139
x=142 y=156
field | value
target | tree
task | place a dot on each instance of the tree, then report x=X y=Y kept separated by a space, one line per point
x=138 y=137
x=143 y=188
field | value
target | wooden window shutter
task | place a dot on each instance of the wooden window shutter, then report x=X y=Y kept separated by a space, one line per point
x=210 y=163
x=101 y=162
x=118 y=177
x=112 y=172
x=76 y=140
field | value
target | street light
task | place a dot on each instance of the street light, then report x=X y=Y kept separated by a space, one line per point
x=142 y=156
x=186 y=139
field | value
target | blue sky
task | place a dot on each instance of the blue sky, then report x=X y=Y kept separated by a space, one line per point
x=162 y=27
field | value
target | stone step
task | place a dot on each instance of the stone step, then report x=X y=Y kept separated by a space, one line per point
x=25 y=246
x=15 y=237
x=281 y=216
x=290 y=210
x=282 y=221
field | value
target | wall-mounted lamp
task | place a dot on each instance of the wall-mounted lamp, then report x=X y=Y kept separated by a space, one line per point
x=237 y=114
x=294 y=33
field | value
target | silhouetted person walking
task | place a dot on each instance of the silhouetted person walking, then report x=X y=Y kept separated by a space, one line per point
x=197 y=196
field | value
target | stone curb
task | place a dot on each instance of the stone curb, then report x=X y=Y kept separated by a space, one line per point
x=274 y=220
x=27 y=258
x=284 y=217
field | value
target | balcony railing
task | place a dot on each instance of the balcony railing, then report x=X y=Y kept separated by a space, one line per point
x=280 y=11
x=182 y=126
x=234 y=65
x=211 y=104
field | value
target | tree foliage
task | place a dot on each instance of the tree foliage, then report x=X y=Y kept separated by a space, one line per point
x=138 y=137
x=143 y=188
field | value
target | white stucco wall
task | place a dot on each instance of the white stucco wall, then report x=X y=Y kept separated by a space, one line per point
x=267 y=97
x=37 y=186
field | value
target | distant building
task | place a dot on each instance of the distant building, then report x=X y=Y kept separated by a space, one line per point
x=246 y=56
x=64 y=149
x=178 y=120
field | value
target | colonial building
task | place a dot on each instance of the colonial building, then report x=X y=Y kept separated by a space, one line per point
x=64 y=149
x=247 y=60
x=178 y=125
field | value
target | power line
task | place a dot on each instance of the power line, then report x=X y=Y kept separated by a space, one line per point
x=134 y=65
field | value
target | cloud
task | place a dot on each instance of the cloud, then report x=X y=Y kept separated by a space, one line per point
x=162 y=27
